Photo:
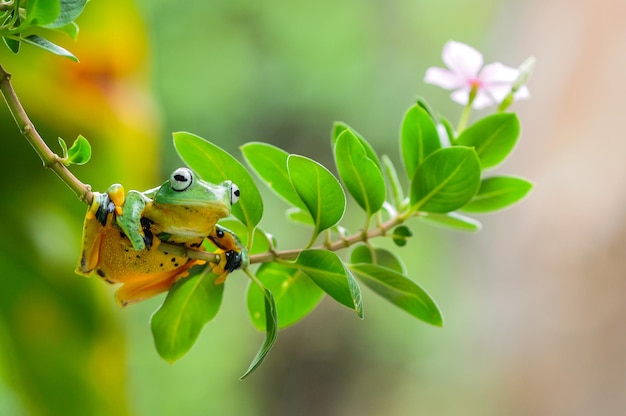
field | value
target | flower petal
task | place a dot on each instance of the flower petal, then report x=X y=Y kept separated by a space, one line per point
x=443 y=78
x=497 y=73
x=461 y=96
x=462 y=59
x=522 y=93
x=483 y=100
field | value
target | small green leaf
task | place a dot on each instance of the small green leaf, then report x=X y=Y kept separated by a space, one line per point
x=80 y=152
x=418 y=138
x=71 y=29
x=49 y=46
x=447 y=180
x=394 y=183
x=12 y=43
x=449 y=129
x=453 y=220
x=498 y=192
x=70 y=10
x=320 y=191
x=63 y=148
x=215 y=165
x=190 y=304
x=296 y=295
x=339 y=127
x=270 y=164
x=271 y=332
x=493 y=137
x=399 y=290
x=401 y=234
x=327 y=270
x=361 y=176
x=41 y=12
x=375 y=255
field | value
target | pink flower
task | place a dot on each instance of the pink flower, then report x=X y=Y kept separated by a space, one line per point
x=466 y=74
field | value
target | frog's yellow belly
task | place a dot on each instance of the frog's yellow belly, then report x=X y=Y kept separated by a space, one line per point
x=142 y=273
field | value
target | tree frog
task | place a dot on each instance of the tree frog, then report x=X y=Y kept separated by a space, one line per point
x=122 y=233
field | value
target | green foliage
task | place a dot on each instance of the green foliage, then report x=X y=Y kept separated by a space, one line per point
x=444 y=177
x=359 y=173
x=493 y=137
x=22 y=15
x=443 y=180
x=319 y=190
x=498 y=192
x=418 y=138
x=190 y=304
x=78 y=154
x=296 y=295
x=446 y=180
x=327 y=270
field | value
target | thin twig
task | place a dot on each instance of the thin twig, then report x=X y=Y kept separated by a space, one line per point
x=50 y=159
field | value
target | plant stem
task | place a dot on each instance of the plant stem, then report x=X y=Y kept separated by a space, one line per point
x=345 y=242
x=50 y=159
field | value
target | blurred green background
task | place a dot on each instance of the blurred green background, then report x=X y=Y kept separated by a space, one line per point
x=532 y=303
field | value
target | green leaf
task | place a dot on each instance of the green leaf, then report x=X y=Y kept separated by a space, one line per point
x=498 y=192
x=447 y=180
x=453 y=220
x=327 y=270
x=296 y=295
x=394 y=183
x=493 y=137
x=48 y=46
x=418 y=138
x=71 y=29
x=41 y=12
x=271 y=332
x=400 y=235
x=399 y=290
x=70 y=10
x=80 y=152
x=270 y=164
x=447 y=125
x=339 y=127
x=63 y=148
x=361 y=176
x=215 y=165
x=12 y=44
x=320 y=191
x=379 y=256
x=190 y=305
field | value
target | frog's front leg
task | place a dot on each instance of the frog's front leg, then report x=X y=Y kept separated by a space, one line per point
x=232 y=254
x=130 y=220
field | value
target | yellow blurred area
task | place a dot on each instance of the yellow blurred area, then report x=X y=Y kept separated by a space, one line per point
x=533 y=304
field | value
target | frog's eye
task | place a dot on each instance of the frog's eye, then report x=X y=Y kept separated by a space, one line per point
x=234 y=194
x=181 y=179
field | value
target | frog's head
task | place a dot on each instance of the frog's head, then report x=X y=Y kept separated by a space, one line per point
x=185 y=189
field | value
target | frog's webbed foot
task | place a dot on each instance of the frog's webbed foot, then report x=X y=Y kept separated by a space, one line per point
x=130 y=221
x=232 y=254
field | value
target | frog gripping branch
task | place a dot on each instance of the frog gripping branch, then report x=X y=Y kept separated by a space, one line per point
x=167 y=239
x=122 y=234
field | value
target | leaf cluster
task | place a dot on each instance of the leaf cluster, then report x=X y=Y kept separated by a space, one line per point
x=20 y=18
x=446 y=177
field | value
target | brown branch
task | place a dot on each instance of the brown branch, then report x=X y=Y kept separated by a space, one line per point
x=50 y=159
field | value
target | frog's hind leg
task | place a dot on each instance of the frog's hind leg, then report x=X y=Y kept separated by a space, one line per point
x=144 y=287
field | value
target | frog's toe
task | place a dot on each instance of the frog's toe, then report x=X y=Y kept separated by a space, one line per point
x=233 y=260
